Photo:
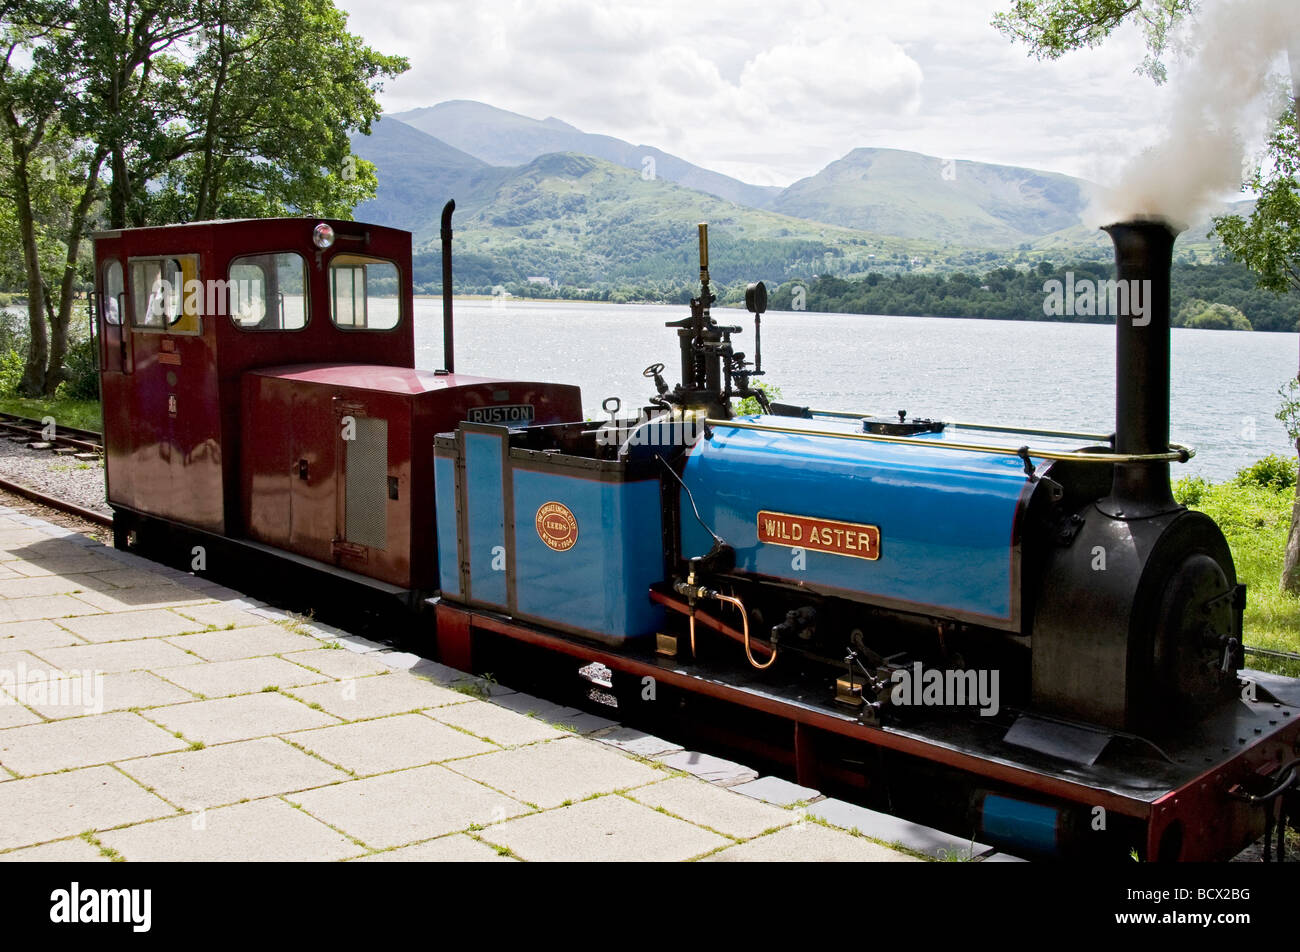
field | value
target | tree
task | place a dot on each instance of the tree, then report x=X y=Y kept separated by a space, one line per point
x=1211 y=316
x=273 y=91
x=1268 y=242
x=192 y=108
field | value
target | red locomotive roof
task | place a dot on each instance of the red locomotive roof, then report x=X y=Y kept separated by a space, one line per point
x=372 y=377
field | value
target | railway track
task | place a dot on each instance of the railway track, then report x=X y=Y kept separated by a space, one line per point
x=61 y=440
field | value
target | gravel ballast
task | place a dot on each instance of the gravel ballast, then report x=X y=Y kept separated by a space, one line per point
x=78 y=481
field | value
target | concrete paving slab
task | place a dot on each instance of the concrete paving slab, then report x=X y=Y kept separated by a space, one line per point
x=536 y=707
x=28 y=635
x=65 y=804
x=152 y=596
x=349 y=642
x=80 y=694
x=585 y=723
x=21 y=587
x=457 y=848
x=632 y=741
x=775 y=790
x=389 y=743
x=715 y=807
x=135 y=578
x=73 y=560
x=378 y=696
x=438 y=673
x=607 y=829
x=399 y=660
x=44 y=606
x=118 y=656
x=810 y=843
x=215 y=776
x=16 y=666
x=262 y=831
x=219 y=615
x=493 y=723
x=243 y=643
x=337 y=663
x=394 y=809
x=242 y=676
x=1003 y=858
x=891 y=829
x=130 y=625
x=75 y=850
x=82 y=742
x=707 y=767
x=13 y=714
x=549 y=774
x=239 y=718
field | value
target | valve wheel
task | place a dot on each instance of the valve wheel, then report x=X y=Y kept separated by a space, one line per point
x=653 y=370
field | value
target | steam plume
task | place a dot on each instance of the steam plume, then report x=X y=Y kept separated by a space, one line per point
x=1231 y=82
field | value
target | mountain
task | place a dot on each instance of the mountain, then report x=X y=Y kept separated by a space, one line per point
x=417 y=174
x=499 y=137
x=907 y=194
x=584 y=220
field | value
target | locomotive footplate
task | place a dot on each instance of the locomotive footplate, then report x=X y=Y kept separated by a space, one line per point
x=1184 y=796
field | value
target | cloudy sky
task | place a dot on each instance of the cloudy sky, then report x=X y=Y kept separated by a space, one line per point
x=772 y=91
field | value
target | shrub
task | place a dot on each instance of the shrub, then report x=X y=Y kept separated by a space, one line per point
x=1272 y=472
x=1190 y=490
x=11 y=371
x=750 y=405
x=1205 y=315
x=82 y=365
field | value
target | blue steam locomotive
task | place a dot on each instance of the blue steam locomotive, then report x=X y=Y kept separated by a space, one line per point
x=1010 y=639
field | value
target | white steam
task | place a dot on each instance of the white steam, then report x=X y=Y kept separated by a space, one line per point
x=1230 y=84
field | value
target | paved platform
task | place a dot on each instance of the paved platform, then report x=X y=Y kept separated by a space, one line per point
x=149 y=714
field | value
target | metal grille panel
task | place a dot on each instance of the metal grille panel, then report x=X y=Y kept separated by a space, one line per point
x=366 y=480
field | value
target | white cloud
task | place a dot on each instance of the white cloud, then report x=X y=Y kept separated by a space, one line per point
x=772 y=92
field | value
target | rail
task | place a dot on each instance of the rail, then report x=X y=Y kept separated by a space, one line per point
x=1176 y=454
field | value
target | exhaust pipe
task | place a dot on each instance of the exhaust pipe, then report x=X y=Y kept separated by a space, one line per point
x=448 y=343
x=1143 y=256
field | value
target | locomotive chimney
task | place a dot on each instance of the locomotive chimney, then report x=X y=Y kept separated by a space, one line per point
x=1143 y=254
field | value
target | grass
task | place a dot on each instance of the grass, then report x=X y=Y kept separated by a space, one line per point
x=1256 y=520
x=80 y=414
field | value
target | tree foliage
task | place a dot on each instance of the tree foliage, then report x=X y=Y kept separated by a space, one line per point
x=1052 y=28
x=157 y=111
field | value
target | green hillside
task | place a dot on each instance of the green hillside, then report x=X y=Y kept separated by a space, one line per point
x=581 y=221
x=912 y=195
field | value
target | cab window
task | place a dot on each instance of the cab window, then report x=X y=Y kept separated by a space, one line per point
x=267 y=292
x=166 y=294
x=365 y=293
x=114 y=297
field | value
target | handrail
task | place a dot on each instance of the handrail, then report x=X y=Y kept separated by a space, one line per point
x=987 y=427
x=1176 y=454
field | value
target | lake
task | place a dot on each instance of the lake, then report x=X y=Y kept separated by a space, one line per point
x=1224 y=389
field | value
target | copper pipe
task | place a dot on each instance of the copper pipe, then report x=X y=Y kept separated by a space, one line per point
x=661 y=598
x=744 y=617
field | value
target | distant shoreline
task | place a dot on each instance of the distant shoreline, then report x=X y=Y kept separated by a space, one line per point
x=737 y=307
